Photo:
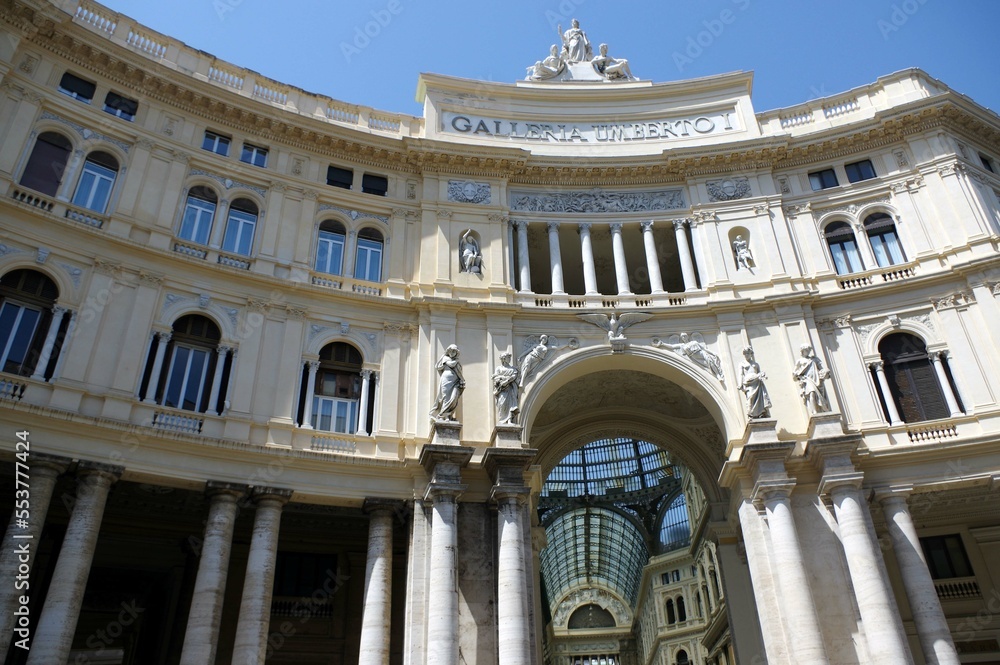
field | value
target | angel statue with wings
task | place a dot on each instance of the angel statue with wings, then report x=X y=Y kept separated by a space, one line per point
x=615 y=324
x=692 y=346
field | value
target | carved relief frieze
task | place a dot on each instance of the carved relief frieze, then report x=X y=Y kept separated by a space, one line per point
x=467 y=191
x=598 y=200
x=729 y=189
x=229 y=183
x=953 y=301
x=851 y=208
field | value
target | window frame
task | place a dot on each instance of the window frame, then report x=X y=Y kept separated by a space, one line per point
x=883 y=228
x=38 y=169
x=23 y=366
x=838 y=249
x=191 y=350
x=820 y=177
x=347 y=183
x=256 y=152
x=369 y=247
x=98 y=176
x=217 y=141
x=909 y=375
x=71 y=93
x=329 y=237
x=936 y=566
x=370 y=179
x=857 y=167
x=211 y=217
x=243 y=219
x=114 y=103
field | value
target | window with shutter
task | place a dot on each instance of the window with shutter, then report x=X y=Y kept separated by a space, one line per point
x=912 y=380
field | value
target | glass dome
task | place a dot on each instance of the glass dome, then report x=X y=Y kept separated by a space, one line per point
x=623 y=464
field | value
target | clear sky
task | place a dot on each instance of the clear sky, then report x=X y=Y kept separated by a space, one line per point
x=370 y=52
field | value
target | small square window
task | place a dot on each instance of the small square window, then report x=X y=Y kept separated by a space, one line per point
x=374 y=184
x=216 y=143
x=123 y=107
x=859 y=171
x=946 y=557
x=77 y=88
x=338 y=177
x=254 y=155
x=823 y=179
x=987 y=163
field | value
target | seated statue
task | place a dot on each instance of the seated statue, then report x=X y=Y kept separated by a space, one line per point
x=611 y=68
x=548 y=68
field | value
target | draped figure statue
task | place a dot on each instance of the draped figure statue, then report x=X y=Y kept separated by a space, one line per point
x=451 y=383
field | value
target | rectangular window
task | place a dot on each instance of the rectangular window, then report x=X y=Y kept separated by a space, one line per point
x=239 y=232
x=216 y=143
x=186 y=378
x=338 y=177
x=254 y=155
x=123 y=107
x=987 y=163
x=859 y=171
x=368 y=262
x=374 y=184
x=330 y=253
x=823 y=179
x=300 y=575
x=95 y=187
x=77 y=88
x=333 y=414
x=946 y=556
x=18 y=324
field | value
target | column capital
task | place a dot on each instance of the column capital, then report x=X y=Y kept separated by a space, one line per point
x=768 y=491
x=59 y=310
x=55 y=464
x=510 y=496
x=214 y=488
x=678 y=223
x=164 y=335
x=313 y=365
x=444 y=463
x=833 y=484
x=616 y=227
x=583 y=226
x=552 y=226
x=647 y=226
x=380 y=506
x=111 y=472
x=280 y=495
x=893 y=493
x=367 y=373
x=519 y=224
x=876 y=365
x=223 y=349
x=937 y=356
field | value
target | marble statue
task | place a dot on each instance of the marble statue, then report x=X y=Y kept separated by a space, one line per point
x=576 y=46
x=530 y=360
x=752 y=385
x=451 y=383
x=811 y=374
x=505 y=390
x=471 y=255
x=697 y=352
x=744 y=259
x=548 y=68
x=615 y=324
x=611 y=68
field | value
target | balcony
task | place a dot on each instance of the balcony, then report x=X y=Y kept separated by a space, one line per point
x=620 y=302
x=958 y=588
x=348 y=284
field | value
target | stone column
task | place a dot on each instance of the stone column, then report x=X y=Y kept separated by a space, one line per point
x=621 y=267
x=220 y=364
x=932 y=627
x=307 y=413
x=509 y=233
x=57 y=622
x=684 y=252
x=883 y=384
x=375 y=622
x=58 y=312
x=366 y=379
x=255 y=607
x=652 y=262
x=555 y=258
x=162 y=338
x=949 y=396
x=201 y=637
x=20 y=543
x=522 y=256
x=587 y=249
x=444 y=463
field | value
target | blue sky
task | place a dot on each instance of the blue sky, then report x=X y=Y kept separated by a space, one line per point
x=370 y=52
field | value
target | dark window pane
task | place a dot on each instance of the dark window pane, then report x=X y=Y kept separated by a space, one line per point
x=120 y=106
x=76 y=87
x=946 y=556
x=374 y=184
x=823 y=179
x=338 y=177
x=46 y=164
x=859 y=171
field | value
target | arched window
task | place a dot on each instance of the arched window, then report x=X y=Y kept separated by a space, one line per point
x=330 y=248
x=98 y=178
x=198 y=215
x=912 y=380
x=338 y=389
x=25 y=317
x=682 y=657
x=881 y=232
x=47 y=163
x=681 y=612
x=368 y=259
x=192 y=354
x=240 y=227
x=843 y=248
x=671 y=616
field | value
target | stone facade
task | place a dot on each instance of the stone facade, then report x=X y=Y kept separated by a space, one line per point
x=231 y=296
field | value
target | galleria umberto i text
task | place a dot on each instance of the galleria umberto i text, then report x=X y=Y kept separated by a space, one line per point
x=581 y=369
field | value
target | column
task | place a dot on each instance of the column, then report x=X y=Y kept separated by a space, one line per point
x=307 y=414
x=58 y=312
x=883 y=384
x=220 y=364
x=509 y=232
x=57 y=622
x=522 y=256
x=366 y=379
x=652 y=263
x=255 y=607
x=555 y=258
x=883 y=629
x=798 y=608
x=202 y=634
x=154 y=377
x=587 y=249
x=375 y=621
x=621 y=268
x=949 y=395
x=44 y=471
x=932 y=627
x=684 y=252
x=512 y=583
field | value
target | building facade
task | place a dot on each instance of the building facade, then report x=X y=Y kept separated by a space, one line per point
x=580 y=369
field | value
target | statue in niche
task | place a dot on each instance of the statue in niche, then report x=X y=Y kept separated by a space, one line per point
x=615 y=324
x=694 y=349
x=576 y=46
x=451 y=383
x=548 y=68
x=752 y=385
x=611 y=68
x=471 y=255
x=811 y=374
x=532 y=358
x=505 y=390
x=741 y=249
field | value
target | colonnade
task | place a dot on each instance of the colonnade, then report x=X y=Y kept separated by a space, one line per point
x=681 y=230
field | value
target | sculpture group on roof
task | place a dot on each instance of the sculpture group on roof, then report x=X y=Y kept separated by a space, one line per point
x=576 y=48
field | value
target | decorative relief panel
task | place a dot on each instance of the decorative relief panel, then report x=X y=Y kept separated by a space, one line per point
x=729 y=189
x=467 y=191
x=229 y=183
x=598 y=200
x=354 y=214
x=87 y=133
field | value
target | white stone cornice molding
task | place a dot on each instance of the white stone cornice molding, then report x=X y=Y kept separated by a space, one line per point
x=957 y=300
